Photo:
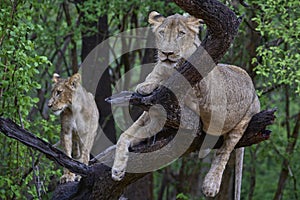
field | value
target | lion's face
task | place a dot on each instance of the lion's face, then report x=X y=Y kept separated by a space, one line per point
x=176 y=36
x=62 y=93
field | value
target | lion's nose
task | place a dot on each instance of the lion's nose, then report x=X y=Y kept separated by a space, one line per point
x=168 y=53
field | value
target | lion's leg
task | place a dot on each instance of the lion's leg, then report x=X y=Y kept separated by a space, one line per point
x=85 y=143
x=76 y=152
x=85 y=154
x=212 y=181
x=66 y=142
x=121 y=155
x=146 y=126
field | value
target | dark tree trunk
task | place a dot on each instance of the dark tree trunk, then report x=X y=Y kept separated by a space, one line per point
x=141 y=189
x=103 y=90
x=253 y=43
x=74 y=60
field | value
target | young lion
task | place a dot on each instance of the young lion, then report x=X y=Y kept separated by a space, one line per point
x=79 y=119
x=225 y=99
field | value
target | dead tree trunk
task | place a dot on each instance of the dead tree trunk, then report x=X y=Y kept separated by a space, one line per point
x=96 y=182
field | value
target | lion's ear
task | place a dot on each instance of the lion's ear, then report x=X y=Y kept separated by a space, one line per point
x=74 y=81
x=155 y=19
x=194 y=23
x=55 y=77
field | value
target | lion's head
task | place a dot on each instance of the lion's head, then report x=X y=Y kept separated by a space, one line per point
x=62 y=92
x=176 y=36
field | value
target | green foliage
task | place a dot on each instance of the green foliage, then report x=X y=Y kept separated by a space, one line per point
x=118 y=12
x=277 y=79
x=279 y=24
x=20 y=66
x=182 y=196
x=19 y=63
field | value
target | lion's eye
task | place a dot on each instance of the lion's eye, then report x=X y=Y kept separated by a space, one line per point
x=58 y=92
x=161 y=33
x=181 y=33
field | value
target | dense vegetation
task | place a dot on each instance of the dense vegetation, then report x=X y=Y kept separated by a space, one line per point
x=40 y=38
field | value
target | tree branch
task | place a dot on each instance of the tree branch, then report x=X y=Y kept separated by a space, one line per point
x=12 y=130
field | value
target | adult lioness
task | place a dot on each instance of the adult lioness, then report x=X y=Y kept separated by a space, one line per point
x=79 y=119
x=225 y=99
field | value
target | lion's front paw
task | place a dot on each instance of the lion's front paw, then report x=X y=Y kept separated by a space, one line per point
x=211 y=185
x=68 y=177
x=117 y=173
x=146 y=88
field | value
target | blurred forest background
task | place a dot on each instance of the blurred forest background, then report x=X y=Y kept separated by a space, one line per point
x=38 y=38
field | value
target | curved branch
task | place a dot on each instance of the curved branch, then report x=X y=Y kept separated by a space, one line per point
x=12 y=130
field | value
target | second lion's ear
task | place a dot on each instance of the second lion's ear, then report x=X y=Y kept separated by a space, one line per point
x=55 y=77
x=155 y=19
x=74 y=81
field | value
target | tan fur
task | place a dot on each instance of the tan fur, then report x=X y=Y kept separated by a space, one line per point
x=79 y=119
x=225 y=99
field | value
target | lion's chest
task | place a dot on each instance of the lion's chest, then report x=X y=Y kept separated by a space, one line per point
x=72 y=123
